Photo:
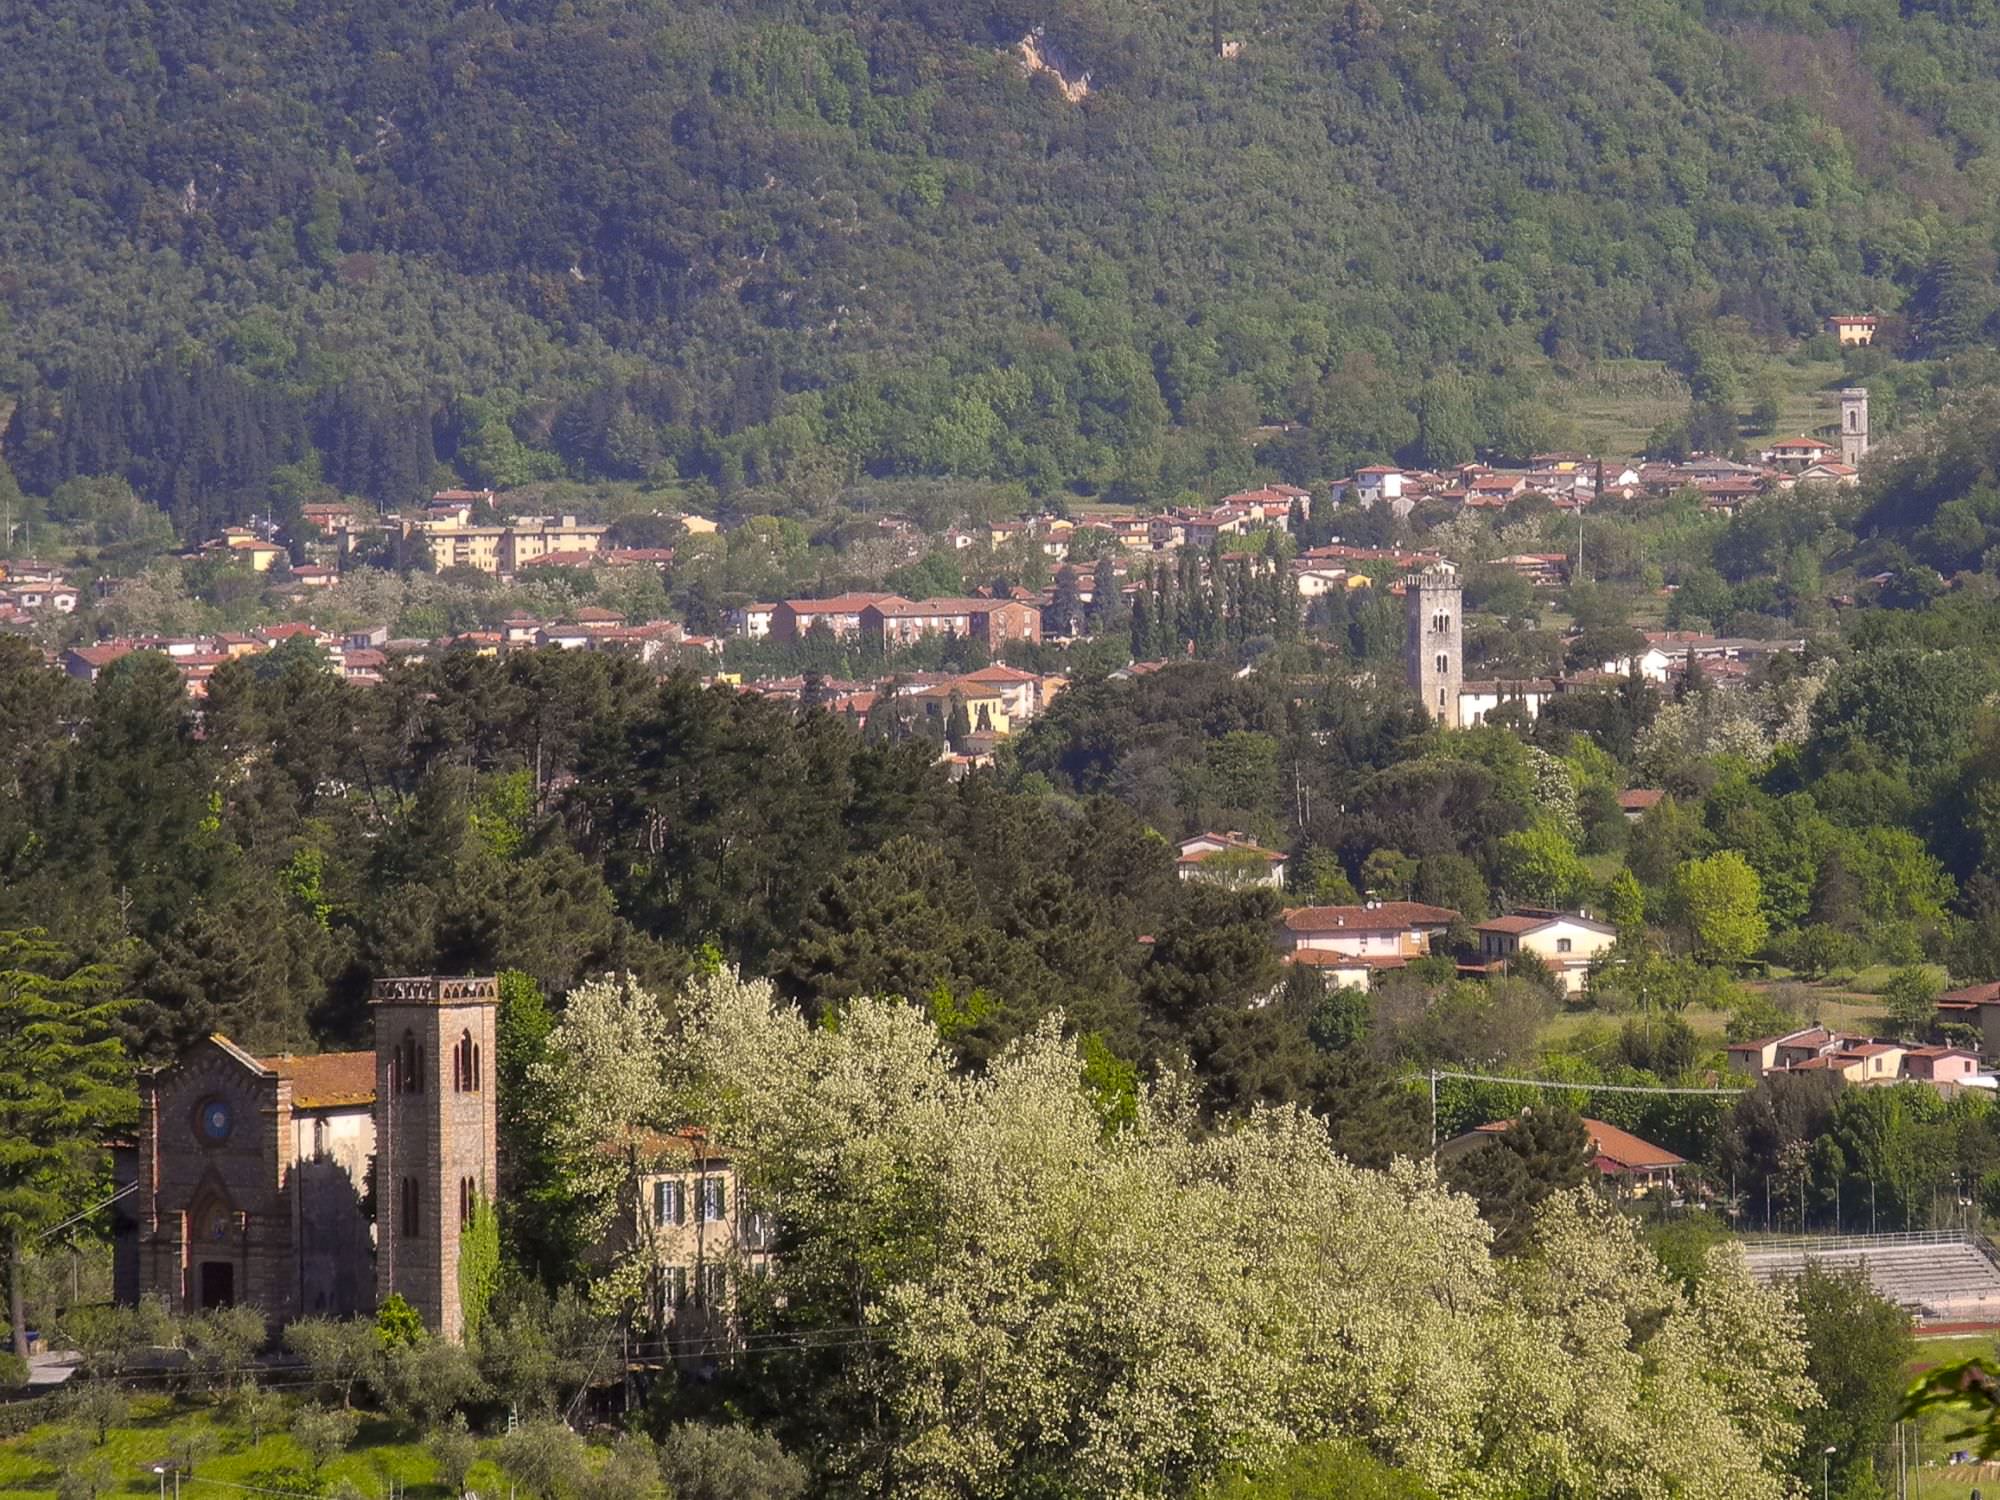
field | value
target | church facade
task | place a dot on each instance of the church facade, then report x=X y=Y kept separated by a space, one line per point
x=318 y=1186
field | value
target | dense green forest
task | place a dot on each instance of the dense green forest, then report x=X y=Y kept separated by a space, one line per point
x=250 y=247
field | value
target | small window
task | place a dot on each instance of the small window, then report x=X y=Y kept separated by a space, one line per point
x=714 y=1285
x=670 y=1203
x=710 y=1206
x=319 y=1140
x=673 y=1286
x=1562 y=945
x=1443 y=662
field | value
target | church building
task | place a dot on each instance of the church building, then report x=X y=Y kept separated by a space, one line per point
x=254 y=1178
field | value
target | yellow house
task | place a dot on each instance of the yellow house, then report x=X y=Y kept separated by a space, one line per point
x=261 y=556
x=985 y=707
x=687 y=1226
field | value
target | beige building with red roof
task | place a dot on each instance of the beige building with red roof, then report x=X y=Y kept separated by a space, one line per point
x=1625 y=1163
x=1568 y=942
x=1375 y=929
x=1231 y=859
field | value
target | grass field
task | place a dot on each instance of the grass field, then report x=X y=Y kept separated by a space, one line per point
x=382 y=1452
x=1618 y=403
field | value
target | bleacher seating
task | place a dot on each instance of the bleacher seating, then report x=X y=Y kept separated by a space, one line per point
x=1939 y=1278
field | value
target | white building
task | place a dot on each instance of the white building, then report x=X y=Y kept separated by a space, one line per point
x=1566 y=941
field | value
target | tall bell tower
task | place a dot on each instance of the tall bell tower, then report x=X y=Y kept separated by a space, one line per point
x=436 y=1135
x=1853 y=425
x=1434 y=648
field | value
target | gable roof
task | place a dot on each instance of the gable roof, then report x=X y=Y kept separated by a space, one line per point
x=1232 y=843
x=1383 y=916
x=1609 y=1144
x=1521 y=923
x=326 y=1080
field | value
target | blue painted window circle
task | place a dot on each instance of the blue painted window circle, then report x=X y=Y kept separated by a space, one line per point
x=217 y=1119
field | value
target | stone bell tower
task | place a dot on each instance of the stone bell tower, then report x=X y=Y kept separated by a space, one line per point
x=1853 y=425
x=436 y=1135
x=1434 y=649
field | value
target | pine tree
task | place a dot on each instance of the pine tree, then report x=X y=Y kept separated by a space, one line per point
x=64 y=1082
x=1104 y=596
x=1066 y=608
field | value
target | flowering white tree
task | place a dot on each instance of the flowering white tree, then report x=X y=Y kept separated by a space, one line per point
x=1037 y=1301
x=604 y=1074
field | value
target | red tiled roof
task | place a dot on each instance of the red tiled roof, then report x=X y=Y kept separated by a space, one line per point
x=1608 y=1142
x=1381 y=917
x=840 y=604
x=1325 y=958
x=1974 y=994
x=327 y=1080
x=1638 y=799
x=1513 y=924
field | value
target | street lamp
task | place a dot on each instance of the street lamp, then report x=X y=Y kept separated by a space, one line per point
x=1825 y=1468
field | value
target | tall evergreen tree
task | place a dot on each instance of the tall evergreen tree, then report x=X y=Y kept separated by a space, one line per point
x=64 y=1083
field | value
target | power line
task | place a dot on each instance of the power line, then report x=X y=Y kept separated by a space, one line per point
x=1550 y=1083
x=1595 y=1088
x=129 y=1188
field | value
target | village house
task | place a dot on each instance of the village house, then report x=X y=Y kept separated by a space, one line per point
x=1831 y=471
x=1626 y=1165
x=1375 y=929
x=686 y=1215
x=752 y=622
x=1374 y=484
x=1636 y=802
x=791 y=619
x=55 y=596
x=1543 y=569
x=1479 y=698
x=1567 y=942
x=1231 y=858
x=1791 y=455
x=1022 y=694
x=1853 y=329
x=1859 y=1060
x=892 y=621
x=88 y=663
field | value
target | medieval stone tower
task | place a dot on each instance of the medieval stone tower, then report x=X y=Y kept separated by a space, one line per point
x=1853 y=425
x=1435 y=649
x=436 y=1135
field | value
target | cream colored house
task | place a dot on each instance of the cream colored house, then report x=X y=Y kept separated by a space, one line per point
x=687 y=1224
x=1567 y=942
x=1230 y=859
x=1375 y=929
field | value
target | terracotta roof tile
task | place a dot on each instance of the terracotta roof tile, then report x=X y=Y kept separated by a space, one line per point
x=327 y=1080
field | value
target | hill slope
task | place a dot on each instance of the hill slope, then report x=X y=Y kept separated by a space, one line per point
x=753 y=240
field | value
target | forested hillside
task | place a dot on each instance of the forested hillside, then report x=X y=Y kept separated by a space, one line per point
x=792 y=244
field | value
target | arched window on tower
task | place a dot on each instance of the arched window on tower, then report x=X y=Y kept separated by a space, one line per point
x=465 y=1064
x=478 y=1075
